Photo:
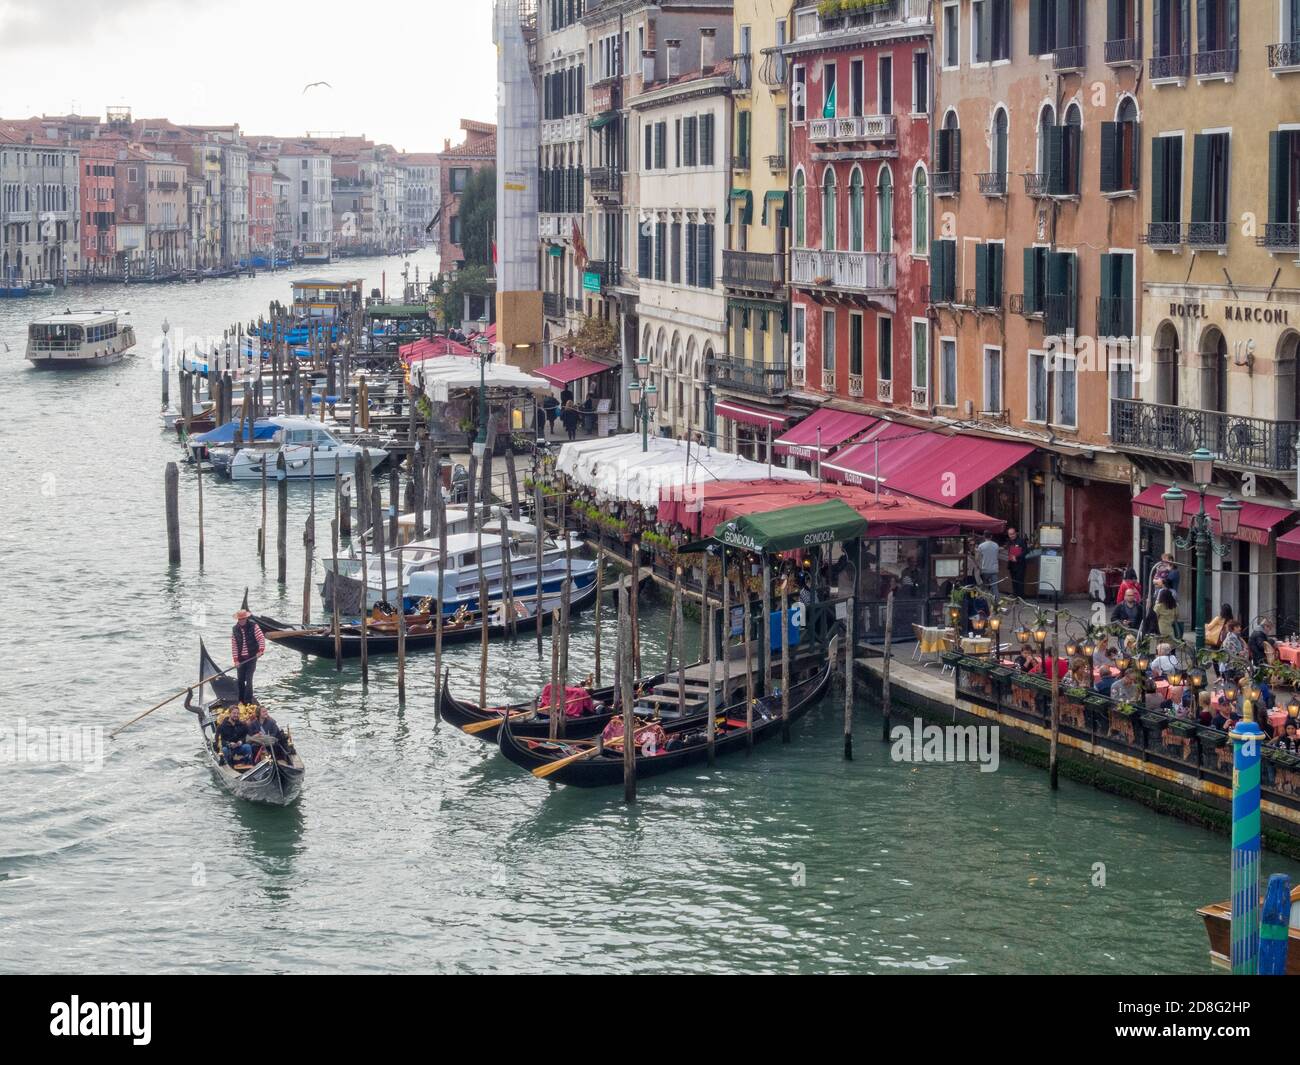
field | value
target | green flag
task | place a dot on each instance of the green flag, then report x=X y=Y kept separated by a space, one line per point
x=828 y=111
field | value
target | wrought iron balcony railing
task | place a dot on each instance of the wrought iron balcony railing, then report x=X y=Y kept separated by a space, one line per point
x=992 y=184
x=772 y=69
x=1237 y=440
x=753 y=270
x=1284 y=56
x=776 y=162
x=1071 y=57
x=1163 y=234
x=747 y=375
x=740 y=162
x=1170 y=67
x=742 y=72
x=1207 y=234
x=553 y=304
x=1280 y=236
x=1219 y=63
x=1125 y=52
x=1035 y=185
x=945 y=182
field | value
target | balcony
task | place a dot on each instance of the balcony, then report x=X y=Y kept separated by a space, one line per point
x=606 y=96
x=994 y=185
x=798 y=375
x=553 y=304
x=606 y=269
x=828 y=378
x=853 y=129
x=857 y=385
x=776 y=163
x=884 y=391
x=740 y=163
x=973 y=300
x=1062 y=314
x=920 y=397
x=1016 y=304
x=771 y=71
x=1124 y=53
x=742 y=72
x=1283 y=58
x=855 y=271
x=606 y=184
x=1207 y=234
x=945 y=182
x=1170 y=68
x=1035 y=185
x=1069 y=58
x=747 y=375
x=753 y=270
x=1217 y=64
x=1236 y=440
x=1163 y=235
x=1280 y=236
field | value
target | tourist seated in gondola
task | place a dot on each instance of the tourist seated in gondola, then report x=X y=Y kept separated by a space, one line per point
x=232 y=735
x=264 y=724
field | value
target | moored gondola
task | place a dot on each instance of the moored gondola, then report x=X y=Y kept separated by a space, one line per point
x=597 y=764
x=421 y=630
x=274 y=778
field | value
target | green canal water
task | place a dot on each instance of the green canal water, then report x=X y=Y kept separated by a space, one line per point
x=416 y=847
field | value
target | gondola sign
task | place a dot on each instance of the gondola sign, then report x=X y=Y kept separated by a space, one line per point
x=792 y=528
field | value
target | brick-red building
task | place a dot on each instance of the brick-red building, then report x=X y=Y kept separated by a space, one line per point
x=99 y=202
x=860 y=226
x=261 y=206
x=478 y=150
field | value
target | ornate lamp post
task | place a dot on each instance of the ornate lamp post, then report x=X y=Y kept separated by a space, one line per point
x=645 y=398
x=1200 y=533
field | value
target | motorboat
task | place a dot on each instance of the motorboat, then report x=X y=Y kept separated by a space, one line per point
x=309 y=448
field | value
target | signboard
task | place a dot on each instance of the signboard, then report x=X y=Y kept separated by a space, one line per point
x=591 y=281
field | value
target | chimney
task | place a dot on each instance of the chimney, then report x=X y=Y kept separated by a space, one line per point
x=672 y=49
x=708 y=48
x=647 y=66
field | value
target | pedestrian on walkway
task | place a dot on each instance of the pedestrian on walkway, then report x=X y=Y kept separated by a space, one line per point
x=987 y=554
x=1017 y=560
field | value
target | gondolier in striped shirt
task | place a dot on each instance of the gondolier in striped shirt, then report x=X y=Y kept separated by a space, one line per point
x=247 y=645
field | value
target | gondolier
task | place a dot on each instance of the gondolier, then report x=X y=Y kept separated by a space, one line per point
x=247 y=645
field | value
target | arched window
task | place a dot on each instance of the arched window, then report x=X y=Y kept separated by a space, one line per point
x=856 y=205
x=830 y=204
x=800 y=209
x=998 y=148
x=920 y=211
x=885 y=211
x=1046 y=120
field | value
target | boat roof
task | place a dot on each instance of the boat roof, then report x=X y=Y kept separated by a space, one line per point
x=320 y=282
x=453 y=517
x=469 y=541
x=285 y=421
x=79 y=317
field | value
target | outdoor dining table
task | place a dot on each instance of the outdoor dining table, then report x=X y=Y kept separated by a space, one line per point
x=1288 y=654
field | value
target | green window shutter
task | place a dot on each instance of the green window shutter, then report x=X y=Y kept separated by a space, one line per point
x=941 y=152
x=1110 y=156
x=1126 y=293
x=1064 y=25
x=1056 y=161
x=691 y=242
x=997 y=253
x=936 y=271
x=950 y=268
x=1159 y=179
x=643 y=254
x=1072 y=156
x=1107 y=316
x=1031 y=281
x=986 y=35
x=1036 y=27
x=1115 y=28
x=982 y=275
x=1131 y=139
x=1201 y=178
x=954 y=150
x=1202 y=29
x=1279 y=145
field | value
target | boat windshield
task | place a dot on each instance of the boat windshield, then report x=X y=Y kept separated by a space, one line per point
x=55 y=336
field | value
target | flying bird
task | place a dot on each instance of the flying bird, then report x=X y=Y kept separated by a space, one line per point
x=314 y=84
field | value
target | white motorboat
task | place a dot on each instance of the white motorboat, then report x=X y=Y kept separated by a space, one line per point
x=79 y=339
x=309 y=449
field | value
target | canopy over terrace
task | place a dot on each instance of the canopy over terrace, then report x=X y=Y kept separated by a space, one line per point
x=792 y=528
x=439 y=376
x=432 y=348
x=616 y=468
x=574 y=368
x=887 y=516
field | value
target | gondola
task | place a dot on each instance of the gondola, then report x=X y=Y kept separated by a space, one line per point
x=421 y=630
x=270 y=780
x=687 y=741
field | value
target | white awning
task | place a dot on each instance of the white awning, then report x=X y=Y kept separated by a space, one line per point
x=438 y=377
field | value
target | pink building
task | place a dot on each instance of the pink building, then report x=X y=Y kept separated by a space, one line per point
x=261 y=206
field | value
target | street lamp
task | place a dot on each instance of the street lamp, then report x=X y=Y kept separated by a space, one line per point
x=644 y=397
x=1200 y=534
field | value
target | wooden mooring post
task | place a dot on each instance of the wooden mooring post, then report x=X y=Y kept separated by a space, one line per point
x=171 y=495
x=281 y=519
x=885 y=697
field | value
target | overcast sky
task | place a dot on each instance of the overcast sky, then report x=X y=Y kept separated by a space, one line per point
x=403 y=73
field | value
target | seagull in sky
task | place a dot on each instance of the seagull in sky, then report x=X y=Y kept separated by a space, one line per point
x=314 y=84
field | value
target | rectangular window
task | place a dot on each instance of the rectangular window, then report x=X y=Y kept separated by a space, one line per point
x=943 y=271
x=828 y=346
x=1035 y=292
x=920 y=362
x=855 y=344
x=948 y=372
x=885 y=348
x=661 y=251
x=1167 y=181
x=981 y=32
x=988 y=275
x=704 y=267
x=798 y=340
x=856 y=91
x=992 y=379
x=1062 y=293
x=1000 y=16
x=677 y=143
x=675 y=253
x=1115 y=303
x=885 y=85
x=799 y=97
x=643 y=258
x=1209 y=189
x=1120 y=156
x=1036 y=397
x=459 y=178
x=706 y=140
x=782 y=133
x=830 y=103
x=648 y=159
x=951 y=37
x=1065 y=371
x=920 y=83
x=1043 y=17
x=692 y=252
x=690 y=135
x=1283 y=180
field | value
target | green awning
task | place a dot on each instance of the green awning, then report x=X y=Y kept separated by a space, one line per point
x=782 y=200
x=792 y=528
x=399 y=310
x=601 y=121
x=747 y=213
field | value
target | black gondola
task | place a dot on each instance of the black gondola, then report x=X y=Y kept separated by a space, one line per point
x=686 y=739
x=421 y=635
x=271 y=780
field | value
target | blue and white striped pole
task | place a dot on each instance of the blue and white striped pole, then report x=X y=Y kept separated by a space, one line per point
x=1246 y=739
x=1275 y=929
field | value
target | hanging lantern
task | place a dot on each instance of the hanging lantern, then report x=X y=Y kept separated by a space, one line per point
x=1198 y=678
x=1022 y=635
x=995 y=623
x=1040 y=635
x=978 y=622
x=1071 y=649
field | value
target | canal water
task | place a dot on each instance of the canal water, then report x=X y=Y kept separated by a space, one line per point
x=416 y=847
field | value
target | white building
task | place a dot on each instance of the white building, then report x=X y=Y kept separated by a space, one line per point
x=422 y=196
x=234 y=202
x=684 y=180
x=310 y=195
x=40 y=189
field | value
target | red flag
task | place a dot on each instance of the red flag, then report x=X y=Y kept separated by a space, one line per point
x=494 y=251
x=579 y=246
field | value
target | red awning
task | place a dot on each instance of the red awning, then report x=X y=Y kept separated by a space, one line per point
x=432 y=348
x=1288 y=545
x=570 y=370
x=829 y=427
x=1258 y=520
x=739 y=412
x=929 y=465
x=888 y=517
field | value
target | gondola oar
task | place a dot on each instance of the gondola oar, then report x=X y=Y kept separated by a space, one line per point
x=199 y=684
x=475 y=727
